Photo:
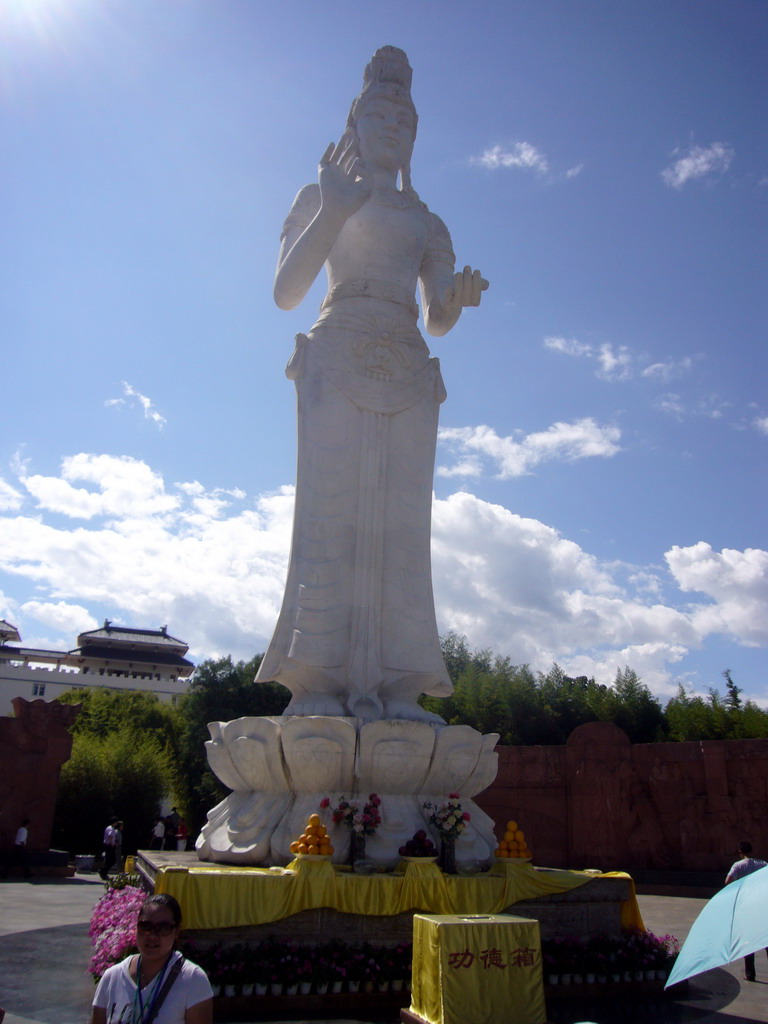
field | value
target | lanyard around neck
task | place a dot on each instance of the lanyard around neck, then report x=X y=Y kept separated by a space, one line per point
x=146 y=1014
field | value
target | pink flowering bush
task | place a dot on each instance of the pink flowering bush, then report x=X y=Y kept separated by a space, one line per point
x=364 y=822
x=448 y=817
x=113 y=927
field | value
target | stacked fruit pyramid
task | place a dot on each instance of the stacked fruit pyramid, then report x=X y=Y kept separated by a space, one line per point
x=313 y=841
x=420 y=846
x=513 y=845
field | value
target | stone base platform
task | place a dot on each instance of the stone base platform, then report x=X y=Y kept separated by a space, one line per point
x=589 y=909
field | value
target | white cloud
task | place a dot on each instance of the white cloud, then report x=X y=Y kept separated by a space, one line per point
x=615 y=364
x=125 y=487
x=219 y=578
x=517 y=586
x=698 y=162
x=10 y=498
x=565 y=441
x=760 y=424
x=136 y=398
x=216 y=573
x=71 y=619
x=520 y=155
x=669 y=369
x=471 y=466
x=568 y=346
x=737 y=583
x=651 y=661
x=618 y=363
x=712 y=407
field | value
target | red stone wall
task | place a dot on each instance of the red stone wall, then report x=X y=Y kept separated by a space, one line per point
x=33 y=747
x=602 y=802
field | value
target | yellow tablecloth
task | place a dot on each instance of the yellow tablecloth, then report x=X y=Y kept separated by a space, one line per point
x=225 y=897
x=479 y=969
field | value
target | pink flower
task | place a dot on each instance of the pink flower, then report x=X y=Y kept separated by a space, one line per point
x=466 y=816
x=325 y=802
x=453 y=796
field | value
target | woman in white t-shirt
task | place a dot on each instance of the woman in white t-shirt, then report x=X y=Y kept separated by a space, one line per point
x=158 y=986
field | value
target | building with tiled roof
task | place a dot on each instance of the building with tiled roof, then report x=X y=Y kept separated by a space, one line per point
x=112 y=657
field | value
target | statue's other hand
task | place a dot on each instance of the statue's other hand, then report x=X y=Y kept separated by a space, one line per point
x=344 y=182
x=466 y=289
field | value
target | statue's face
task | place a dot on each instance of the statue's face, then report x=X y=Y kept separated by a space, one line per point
x=385 y=133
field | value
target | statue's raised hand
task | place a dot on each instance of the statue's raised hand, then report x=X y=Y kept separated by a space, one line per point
x=465 y=290
x=344 y=186
x=445 y=299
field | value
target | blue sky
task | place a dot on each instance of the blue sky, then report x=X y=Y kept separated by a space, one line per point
x=600 y=485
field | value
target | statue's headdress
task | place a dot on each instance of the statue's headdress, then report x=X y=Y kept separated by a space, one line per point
x=388 y=74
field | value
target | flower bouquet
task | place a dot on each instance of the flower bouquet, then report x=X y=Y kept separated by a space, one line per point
x=361 y=823
x=364 y=822
x=450 y=821
x=448 y=817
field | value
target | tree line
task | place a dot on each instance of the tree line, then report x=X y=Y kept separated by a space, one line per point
x=529 y=708
x=131 y=752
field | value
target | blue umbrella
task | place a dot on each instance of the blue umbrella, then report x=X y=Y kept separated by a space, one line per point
x=731 y=925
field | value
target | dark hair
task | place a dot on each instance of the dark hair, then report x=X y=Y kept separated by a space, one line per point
x=163 y=899
x=745 y=846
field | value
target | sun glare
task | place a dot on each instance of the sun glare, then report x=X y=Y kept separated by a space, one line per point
x=42 y=20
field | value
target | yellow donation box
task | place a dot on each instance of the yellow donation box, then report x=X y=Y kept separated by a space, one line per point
x=483 y=969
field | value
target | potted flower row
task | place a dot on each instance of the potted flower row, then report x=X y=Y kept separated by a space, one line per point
x=279 y=968
x=634 y=956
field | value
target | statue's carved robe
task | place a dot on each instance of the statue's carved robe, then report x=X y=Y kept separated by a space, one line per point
x=357 y=624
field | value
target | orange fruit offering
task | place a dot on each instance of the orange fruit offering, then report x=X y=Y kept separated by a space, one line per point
x=513 y=844
x=314 y=840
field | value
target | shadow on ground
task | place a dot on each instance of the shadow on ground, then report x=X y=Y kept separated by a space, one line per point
x=44 y=977
x=699 y=1005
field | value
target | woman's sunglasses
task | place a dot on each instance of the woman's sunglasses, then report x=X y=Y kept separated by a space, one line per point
x=162 y=928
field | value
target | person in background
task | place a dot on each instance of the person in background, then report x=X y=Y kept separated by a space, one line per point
x=119 y=826
x=20 y=852
x=159 y=984
x=158 y=835
x=110 y=848
x=182 y=835
x=745 y=865
x=170 y=833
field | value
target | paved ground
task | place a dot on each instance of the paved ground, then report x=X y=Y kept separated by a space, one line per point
x=44 y=950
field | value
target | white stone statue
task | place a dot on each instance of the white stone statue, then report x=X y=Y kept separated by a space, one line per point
x=356 y=641
x=357 y=634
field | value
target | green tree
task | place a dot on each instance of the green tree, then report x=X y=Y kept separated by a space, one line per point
x=121 y=774
x=106 y=711
x=631 y=705
x=715 y=717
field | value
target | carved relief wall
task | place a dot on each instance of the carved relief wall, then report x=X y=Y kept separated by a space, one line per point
x=33 y=747
x=600 y=801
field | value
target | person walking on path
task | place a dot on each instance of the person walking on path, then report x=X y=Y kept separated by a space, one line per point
x=158 y=835
x=19 y=853
x=182 y=835
x=119 y=826
x=110 y=848
x=745 y=865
